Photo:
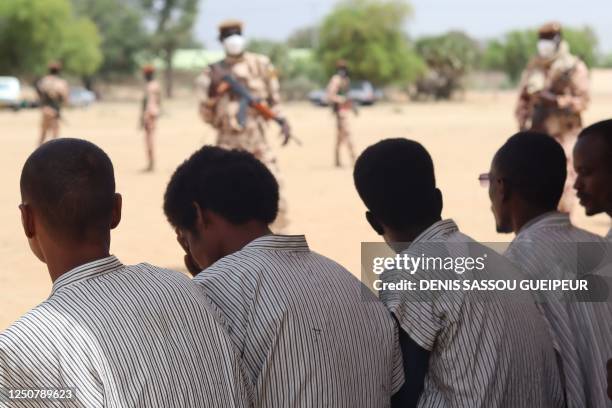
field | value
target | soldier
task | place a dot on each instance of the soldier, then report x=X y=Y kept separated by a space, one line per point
x=221 y=109
x=151 y=105
x=554 y=91
x=337 y=95
x=53 y=93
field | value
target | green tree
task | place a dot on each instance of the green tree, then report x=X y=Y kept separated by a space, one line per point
x=122 y=30
x=80 y=47
x=33 y=32
x=369 y=35
x=174 y=20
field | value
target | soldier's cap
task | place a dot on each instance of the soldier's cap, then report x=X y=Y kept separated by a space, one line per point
x=550 y=29
x=54 y=65
x=230 y=26
x=148 y=69
x=341 y=64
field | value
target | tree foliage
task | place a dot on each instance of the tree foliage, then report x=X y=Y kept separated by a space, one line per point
x=34 y=32
x=122 y=30
x=369 y=35
x=173 y=21
x=305 y=37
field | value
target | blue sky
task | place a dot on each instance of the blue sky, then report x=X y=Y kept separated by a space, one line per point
x=276 y=19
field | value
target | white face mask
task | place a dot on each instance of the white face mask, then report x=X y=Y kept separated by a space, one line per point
x=547 y=48
x=234 y=44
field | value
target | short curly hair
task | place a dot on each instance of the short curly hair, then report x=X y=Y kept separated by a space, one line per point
x=232 y=183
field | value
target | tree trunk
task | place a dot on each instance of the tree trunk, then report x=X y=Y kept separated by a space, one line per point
x=169 y=73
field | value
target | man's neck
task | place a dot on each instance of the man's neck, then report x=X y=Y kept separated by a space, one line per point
x=526 y=215
x=243 y=235
x=60 y=260
x=410 y=234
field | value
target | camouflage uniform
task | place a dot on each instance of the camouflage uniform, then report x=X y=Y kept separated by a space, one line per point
x=151 y=105
x=258 y=75
x=337 y=90
x=565 y=78
x=151 y=109
x=53 y=92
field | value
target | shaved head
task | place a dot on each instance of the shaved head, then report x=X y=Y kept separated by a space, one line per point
x=70 y=183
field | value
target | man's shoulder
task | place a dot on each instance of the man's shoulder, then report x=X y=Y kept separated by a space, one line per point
x=36 y=322
x=257 y=58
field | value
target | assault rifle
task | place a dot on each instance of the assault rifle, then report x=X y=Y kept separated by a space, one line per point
x=231 y=84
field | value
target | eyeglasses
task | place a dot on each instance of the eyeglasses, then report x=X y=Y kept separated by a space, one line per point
x=484 y=179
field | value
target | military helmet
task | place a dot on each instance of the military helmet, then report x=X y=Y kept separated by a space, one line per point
x=229 y=27
x=550 y=29
x=341 y=63
x=54 y=66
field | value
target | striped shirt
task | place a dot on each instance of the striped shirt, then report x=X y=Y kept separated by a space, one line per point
x=550 y=247
x=123 y=336
x=482 y=353
x=310 y=334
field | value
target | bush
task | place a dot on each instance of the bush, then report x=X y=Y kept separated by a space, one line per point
x=449 y=58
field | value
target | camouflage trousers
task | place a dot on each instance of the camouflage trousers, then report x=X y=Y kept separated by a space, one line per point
x=253 y=140
x=567 y=140
x=343 y=135
x=50 y=119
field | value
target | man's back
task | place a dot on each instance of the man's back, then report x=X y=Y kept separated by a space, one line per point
x=54 y=90
x=550 y=247
x=484 y=352
x=309 y=333
x=124 y=336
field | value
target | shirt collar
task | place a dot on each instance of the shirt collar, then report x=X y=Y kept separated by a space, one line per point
x=280 y=242
x=549 y=219
x=437 y=231
x=86 y=271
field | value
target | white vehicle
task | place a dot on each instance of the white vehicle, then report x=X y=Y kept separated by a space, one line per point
x=10 y=92
x=81 y=97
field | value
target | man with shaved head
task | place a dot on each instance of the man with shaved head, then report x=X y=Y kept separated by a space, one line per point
x=109 y=334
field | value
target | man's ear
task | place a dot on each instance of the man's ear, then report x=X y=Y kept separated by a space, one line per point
x=27 y=220
x=116 y=216
x=203 y=216
x=504 y=190
x=439 y=201
x=374 y=223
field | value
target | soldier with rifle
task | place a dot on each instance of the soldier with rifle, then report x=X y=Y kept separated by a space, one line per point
x=554 y=91
x=337 y=95
x=238 y=96
x=53 y=93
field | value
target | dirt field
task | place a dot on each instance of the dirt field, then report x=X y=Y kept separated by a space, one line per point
x=461 y=136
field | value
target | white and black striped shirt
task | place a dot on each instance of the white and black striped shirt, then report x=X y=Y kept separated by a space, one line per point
x=310 y=334
x=550 y=247
x=123 y=336
x=482 y=353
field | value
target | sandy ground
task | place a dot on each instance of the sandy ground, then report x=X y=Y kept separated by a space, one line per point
x=461 y=136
